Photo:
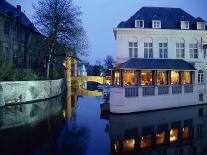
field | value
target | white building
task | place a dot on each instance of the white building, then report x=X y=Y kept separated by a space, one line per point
x=160 y=53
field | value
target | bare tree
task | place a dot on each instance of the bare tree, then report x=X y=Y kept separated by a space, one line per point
x=59 y=21
x=108 y=64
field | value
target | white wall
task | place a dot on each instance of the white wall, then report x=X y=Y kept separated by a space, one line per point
x=24 y=91
x=124 y=36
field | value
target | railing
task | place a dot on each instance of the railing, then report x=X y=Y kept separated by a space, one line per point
x=162 y=90
x=131 y=91
x=177 y=89
x=188 y=88
x=148 y=91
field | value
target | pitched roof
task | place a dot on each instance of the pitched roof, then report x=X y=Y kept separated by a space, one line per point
x=156 y=64
x=9 y=10
x=170 y=18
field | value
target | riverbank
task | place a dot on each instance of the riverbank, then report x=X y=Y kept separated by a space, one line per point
x=18 y=92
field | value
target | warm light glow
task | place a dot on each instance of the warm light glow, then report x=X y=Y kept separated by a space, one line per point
x=175 y=77
x=173 y=135
x=146 y=78
x=116 y=78
x=160 y=138
x=186 y=132
x=130 y=78
x=186 y=78
x=145 y=141
x=162 y=78
x=128 y=145
x=116 y=146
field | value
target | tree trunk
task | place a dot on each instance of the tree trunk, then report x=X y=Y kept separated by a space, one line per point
x=48 y=67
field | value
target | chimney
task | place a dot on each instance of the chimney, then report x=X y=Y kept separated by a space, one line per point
x=19 y=7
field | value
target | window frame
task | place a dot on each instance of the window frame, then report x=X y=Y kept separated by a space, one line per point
x=184 y=22
x=179 y=50
x=203 y=28
x=163 y=50
x=200 y=77
x=156 y=24
x=193 y=47
x=137 y=23
x=148 y=50
x=133 y=49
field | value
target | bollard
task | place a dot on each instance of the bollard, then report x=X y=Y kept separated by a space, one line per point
x=2 y=102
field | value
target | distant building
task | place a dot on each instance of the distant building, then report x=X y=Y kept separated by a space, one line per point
x=161 y=52
x=16 y=33
x=82 y=68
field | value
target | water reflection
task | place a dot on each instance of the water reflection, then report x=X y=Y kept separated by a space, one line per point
x=180 y=131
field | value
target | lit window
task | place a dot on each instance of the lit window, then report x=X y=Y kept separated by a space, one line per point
x=139 y=23
x=130 y=78
x=175 y=77
x=128 y=145
x=156 y=24
x=148 y=50
x=116 y=78
x=133 y=49
x=200 y=26
x=193 y=50
x=186 y=77
x=200 y=77
x=145 y=141
x=160 y=138
x=173 y=135
x=186 y=132
x=163 y=50
x=180 y=50
x=146 y=78
x=116 y=146
x=161 y=78
x=184 y=24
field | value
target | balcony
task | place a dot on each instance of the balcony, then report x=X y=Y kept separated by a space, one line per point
x=145 y=91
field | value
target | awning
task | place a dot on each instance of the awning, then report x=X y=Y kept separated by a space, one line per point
x=156 y=64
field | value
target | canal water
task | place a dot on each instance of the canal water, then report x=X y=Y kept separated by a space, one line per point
x=73 y=125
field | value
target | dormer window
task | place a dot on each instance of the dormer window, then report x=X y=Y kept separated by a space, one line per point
x=139 y=23
x=200 y=26
x=184 y=25
x=156 y=24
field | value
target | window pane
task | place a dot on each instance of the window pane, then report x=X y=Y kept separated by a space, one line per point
x=175 y=77
x=165 y=44
x=130 y=44
x=160 y=44
x=145 y=44
x=130 y=78
x=146 y=78
x=135 y=53
x=135 y=44
x=130 y=52
x=150 y=44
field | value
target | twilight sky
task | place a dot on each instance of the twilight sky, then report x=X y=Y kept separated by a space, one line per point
x=101 y=16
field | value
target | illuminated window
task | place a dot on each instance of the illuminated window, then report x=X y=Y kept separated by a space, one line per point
x=116 y=78
x=180 y=50
x=130 y=78
x=116 y=146
x=145 y=141
x=186 y=132
x=175 y=77
x=193 y=50
x=186 y=78
x=200 y=77
x=146 y=78
x=173 y=135
x=161 y=78
x=163 y=50
x=133 y=49
x=128 y=145
x=160 y=138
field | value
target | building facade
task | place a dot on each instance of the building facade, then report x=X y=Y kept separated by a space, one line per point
x=17 y=33
x=161 y=49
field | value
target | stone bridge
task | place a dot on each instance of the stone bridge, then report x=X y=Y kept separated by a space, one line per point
x=78 y=81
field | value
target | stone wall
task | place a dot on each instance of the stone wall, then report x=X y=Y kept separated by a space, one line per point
x=25 y=91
